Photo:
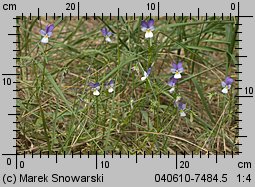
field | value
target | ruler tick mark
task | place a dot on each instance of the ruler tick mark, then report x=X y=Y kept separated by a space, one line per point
x=136 y=159
x=176 y=160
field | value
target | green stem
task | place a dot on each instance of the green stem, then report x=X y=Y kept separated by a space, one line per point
x=149 y=53
x=40 y=104
x=114 y=93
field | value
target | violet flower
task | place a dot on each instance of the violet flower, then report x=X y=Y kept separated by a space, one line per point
x=95 y=87
x=148 y=27
x=226 y=84
x=177 y=69
x=146 y=74
x=181 y=108
x=172 y=82
x=106 y=34
x=110 y=86
x=47 y=33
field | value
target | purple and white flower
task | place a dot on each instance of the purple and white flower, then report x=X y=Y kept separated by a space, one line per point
x=181 y=108
x=172 y=82
x=177 y=69
x=110 y=86
x=146 y=74
x=226 y=85
x=95 y=87
x=106 y=34
x=148 y=27
x=47 y=33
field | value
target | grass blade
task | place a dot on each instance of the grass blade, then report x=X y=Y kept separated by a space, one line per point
x=203 y=99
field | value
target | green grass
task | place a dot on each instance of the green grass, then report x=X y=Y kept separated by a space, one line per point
x=60 y=113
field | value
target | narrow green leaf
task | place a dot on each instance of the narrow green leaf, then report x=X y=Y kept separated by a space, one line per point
x=203 y=99
x=58 y=21
x=147 y=119
x=54 y=84
x=121 y=65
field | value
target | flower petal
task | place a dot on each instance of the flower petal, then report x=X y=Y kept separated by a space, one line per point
x=229 y=81
x=183 y=106
x=49 y=34
x=177 y=75
x=223 y=84
x=110 y=90
x=182 y=113
x=180 y=70
x=144 y=29
x=152 y=28
x=111 y=83
x=108 y=39
x=145 y=74
x=172 y=90
x=148 y=72
x=144 y=24
x=46 y=28
x=224 y=90
x=173 y=70
x=104 y=31
x=49 y=28
x=96 y=93
x=150 y=23
x=109 y=33
x=172 y=81
x=174 y=65
x=179 y=65
x=91 y=84
x=45 y=40
x=42 y=32
x=148 y=34
x=94 y=85
x=97 y=86
x=143 y=78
